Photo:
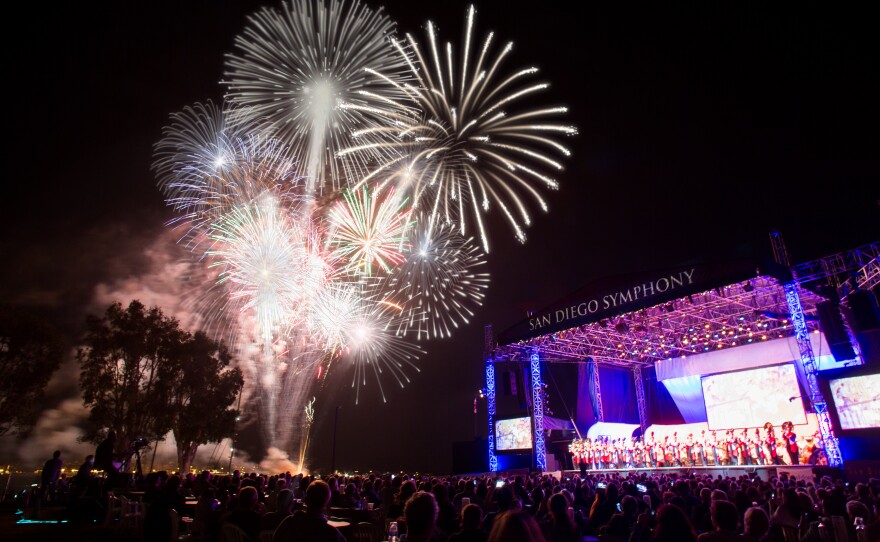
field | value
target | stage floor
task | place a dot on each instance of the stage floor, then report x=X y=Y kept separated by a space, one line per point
x=765 y=472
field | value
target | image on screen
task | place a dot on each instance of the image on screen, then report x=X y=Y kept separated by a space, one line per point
x=751 y=398
x=513 y=434
x=857 y=400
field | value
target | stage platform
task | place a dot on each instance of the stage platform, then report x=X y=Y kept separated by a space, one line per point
x=765 y=472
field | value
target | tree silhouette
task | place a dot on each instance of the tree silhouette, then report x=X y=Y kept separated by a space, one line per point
x=202 y=388
x=143 y=376
x=120 y=372
x=30 y=351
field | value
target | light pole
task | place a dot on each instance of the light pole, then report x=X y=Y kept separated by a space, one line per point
x=333 y=454
x=234 y=425
x=480 y=394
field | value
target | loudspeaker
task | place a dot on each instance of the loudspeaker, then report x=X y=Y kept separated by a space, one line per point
x=835 y=333
x=863 y=313
x=470 y=456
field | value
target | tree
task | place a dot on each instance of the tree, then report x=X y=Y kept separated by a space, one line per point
x=120 y=375
x=202 y=389
x=30 y=351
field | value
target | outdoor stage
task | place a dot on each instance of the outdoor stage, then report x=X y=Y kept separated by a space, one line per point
x=716 y=352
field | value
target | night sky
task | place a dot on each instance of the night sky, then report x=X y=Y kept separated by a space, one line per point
x=700 y=130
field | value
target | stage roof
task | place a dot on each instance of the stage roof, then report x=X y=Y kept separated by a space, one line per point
x=642 y=318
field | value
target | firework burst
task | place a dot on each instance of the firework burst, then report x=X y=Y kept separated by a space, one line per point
x=300 y=74
x=438 y=285
x=369 y=230
x=465 y=150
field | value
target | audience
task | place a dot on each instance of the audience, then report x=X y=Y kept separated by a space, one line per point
x=634 y=507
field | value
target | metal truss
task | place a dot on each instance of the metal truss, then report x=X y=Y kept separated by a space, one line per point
x=746 y=312
x=858 y=267
x=490 y=414
x=600 y=412
x=640 y=397
x=538 y=410
x=808 y=360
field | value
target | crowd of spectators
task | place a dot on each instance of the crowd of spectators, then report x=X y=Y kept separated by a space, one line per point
x=637 y=507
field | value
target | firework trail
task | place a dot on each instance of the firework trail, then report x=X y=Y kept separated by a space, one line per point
x=465 y=150
x=300 y=74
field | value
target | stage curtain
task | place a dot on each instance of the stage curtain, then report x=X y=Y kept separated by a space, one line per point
x=618 y=395
x=661 y=408
x=585 y=413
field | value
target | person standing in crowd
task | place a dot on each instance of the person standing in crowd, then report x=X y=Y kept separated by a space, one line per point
x=49 y=476
x=83 y=476
x=104 y=458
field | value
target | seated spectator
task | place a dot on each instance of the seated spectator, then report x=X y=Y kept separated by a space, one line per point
x=504 y=499
x=672 y=526
x=724 y=521
x=283 y=507
x=756 y=524
x=560 y=526
x=471 y=516
x=789 y=513
x=245 y=515
x=310 y=525
x=515 y=526
x=447 y=519
x=421 y=517
x=621 y=524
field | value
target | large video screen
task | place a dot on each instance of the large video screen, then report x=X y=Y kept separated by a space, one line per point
x=513 y=434
x=752 y=397
x=857 y=400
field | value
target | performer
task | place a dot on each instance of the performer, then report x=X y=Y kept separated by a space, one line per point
x=606 y=454
x=732 y=448
x=686 y=451
x=701 y=449
x=674 y=445
x=716 y=452
x=585 y=456
x=574 y=450
x=790 y=440
x=650 y=458
x=771 y=444
x=743 y=448
x=639 y=453
x=757 y=446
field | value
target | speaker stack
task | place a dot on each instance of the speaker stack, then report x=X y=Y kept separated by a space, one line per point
x=831 y=324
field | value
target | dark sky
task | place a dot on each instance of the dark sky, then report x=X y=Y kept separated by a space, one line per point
x=701 y=128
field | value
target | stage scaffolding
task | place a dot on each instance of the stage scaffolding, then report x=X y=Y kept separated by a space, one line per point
x=746 y=312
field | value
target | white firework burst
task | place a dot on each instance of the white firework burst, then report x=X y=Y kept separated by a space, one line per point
x=469 y=148
x=299 y=72
x=439 y=285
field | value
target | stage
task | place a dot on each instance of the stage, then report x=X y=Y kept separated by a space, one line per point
x=765 y=472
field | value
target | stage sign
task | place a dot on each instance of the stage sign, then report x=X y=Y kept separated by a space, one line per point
x=618 y=295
